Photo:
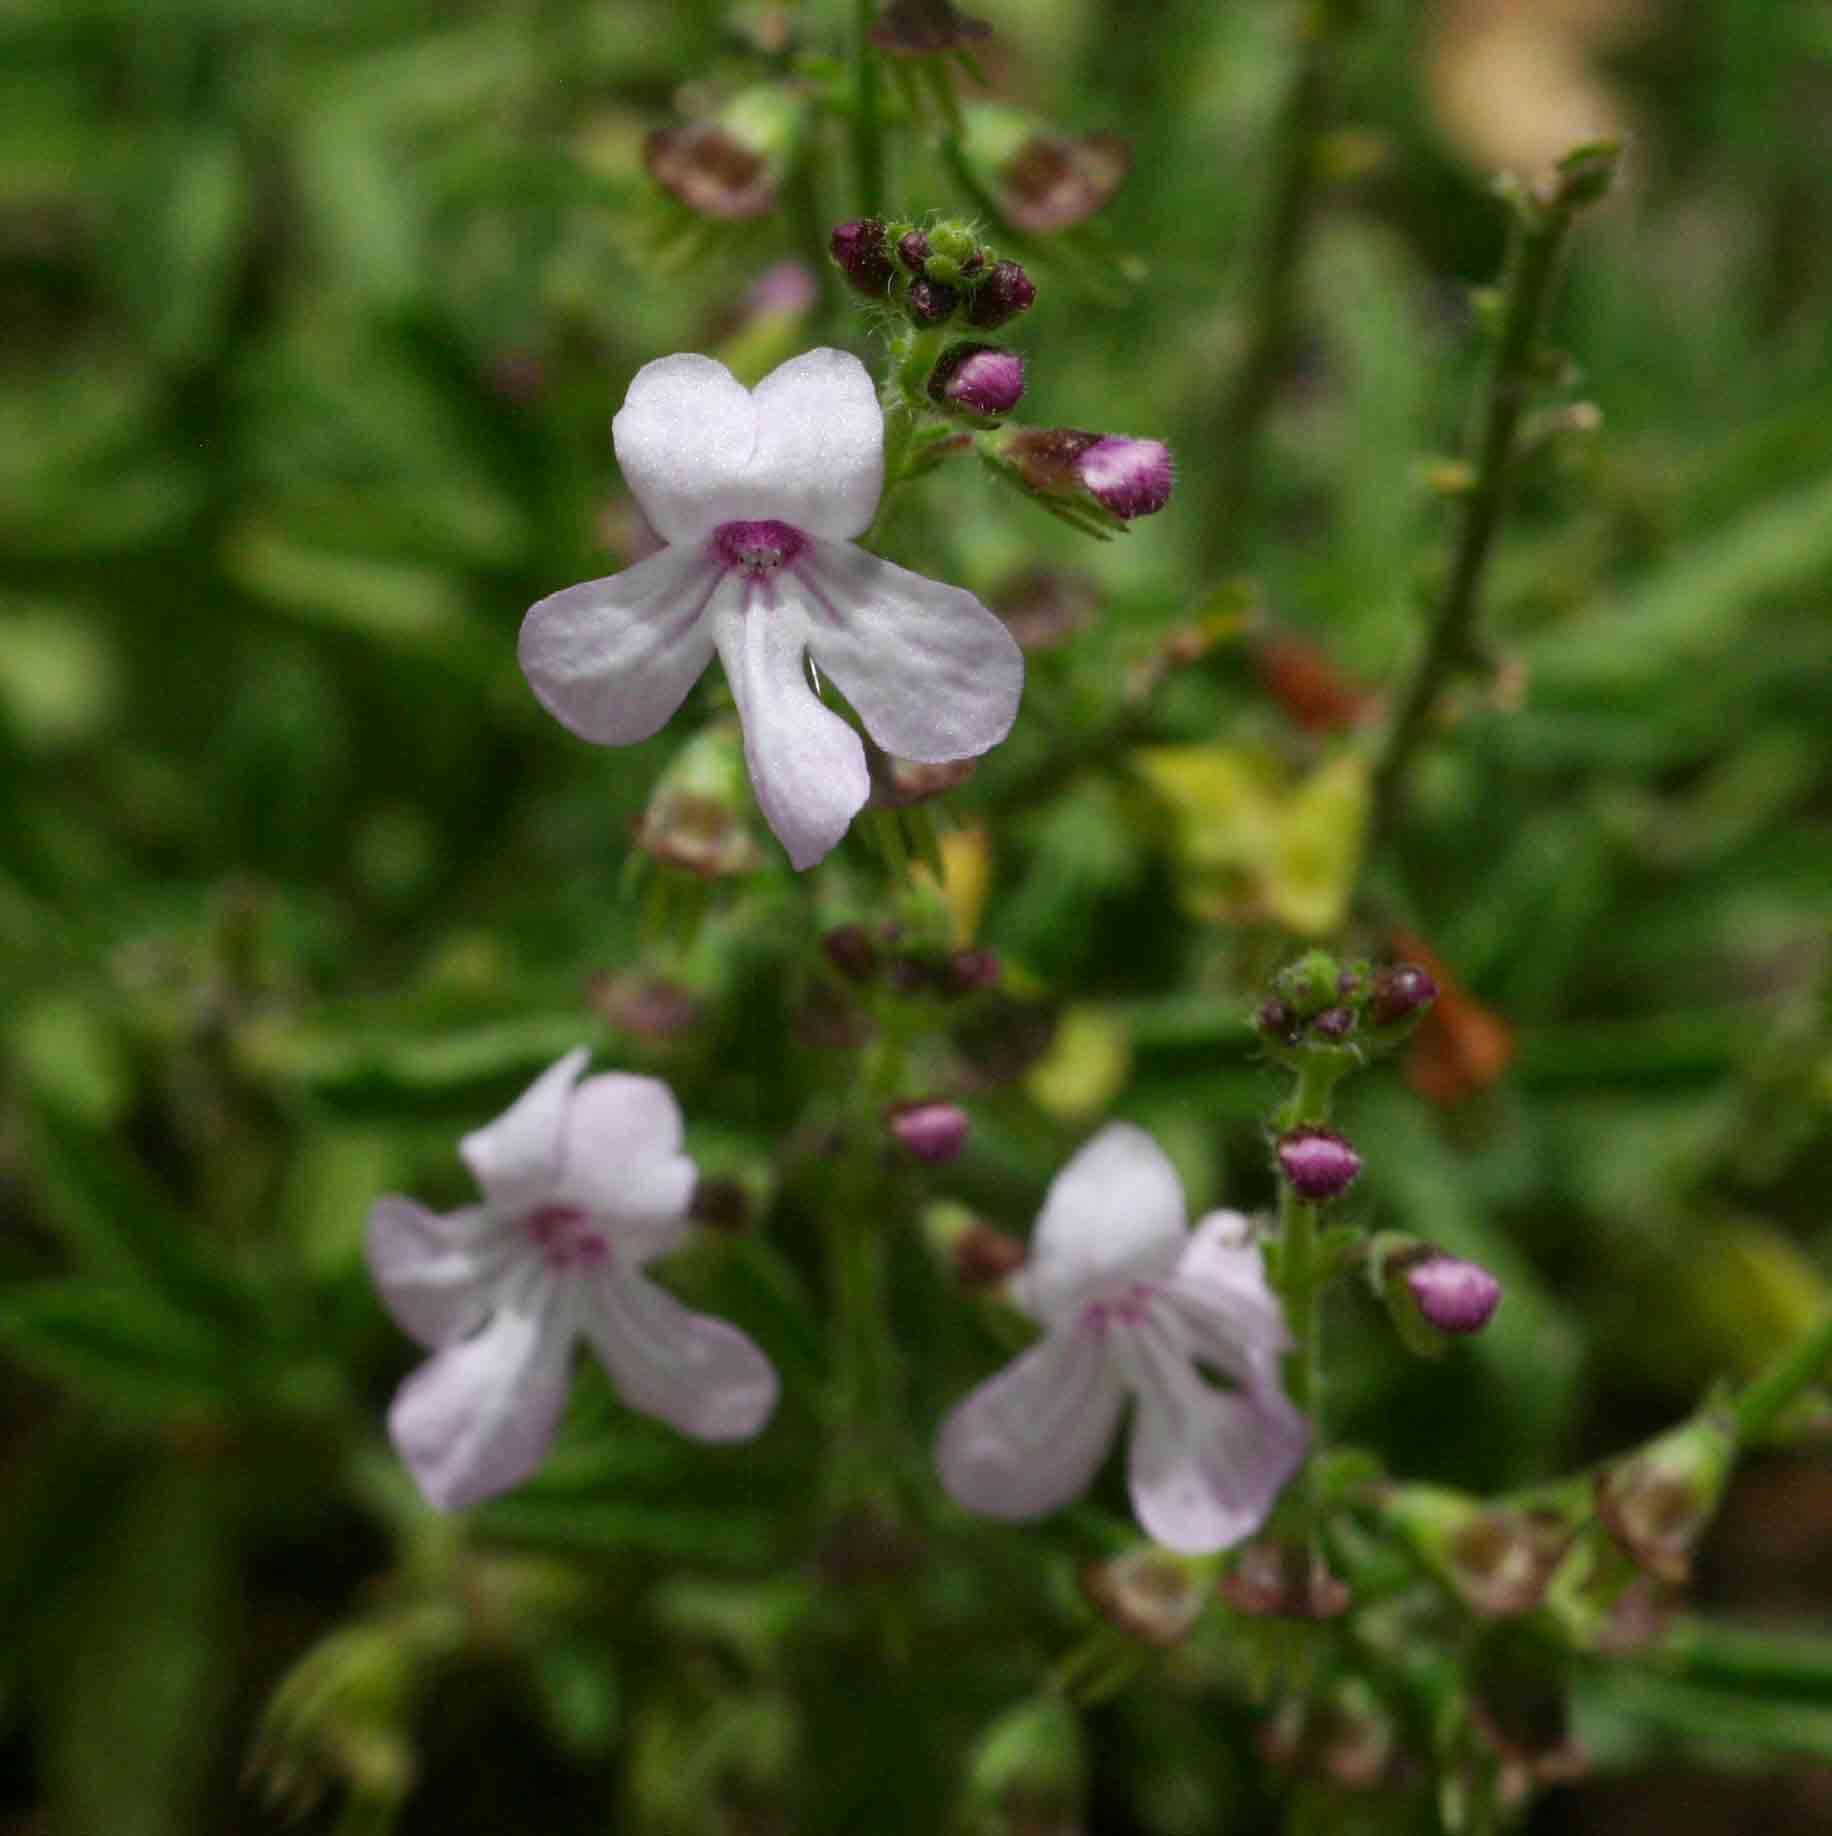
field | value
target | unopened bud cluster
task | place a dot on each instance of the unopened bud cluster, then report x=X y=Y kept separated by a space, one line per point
x=933 y=275
x=862 y=957
x=1319 y=1002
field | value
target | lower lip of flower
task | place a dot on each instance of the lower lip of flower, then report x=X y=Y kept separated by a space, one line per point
x=758 y=549
x=564 y=1237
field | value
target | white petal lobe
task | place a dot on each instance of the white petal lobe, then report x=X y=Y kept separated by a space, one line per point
x=933 y=674
x=613 y=659
x=1114 y=1213
x=685 y=436
x=807 y=766
x=819 y=458
x=1031 y=1438
x=516 y=1158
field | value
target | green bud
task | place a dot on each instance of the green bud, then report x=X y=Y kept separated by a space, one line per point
x=1586 y=173
x=954 y=242
x=1309 y=985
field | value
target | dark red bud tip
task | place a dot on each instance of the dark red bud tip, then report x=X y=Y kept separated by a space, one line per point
x=1453 y=1295
x=1334 y=1025
x=859 y=252
x=931 y=302
x=1402 y=992
x=979 y=379
x=1318 y=1162
x=1005 y=292
x=1273 y=1020
x=849 y=948
x=913 y=250
x=934 y=1133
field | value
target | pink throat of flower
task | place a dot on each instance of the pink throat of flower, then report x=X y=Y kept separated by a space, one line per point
x=1126 y=1308
x=565 y=1237
x=758 y=550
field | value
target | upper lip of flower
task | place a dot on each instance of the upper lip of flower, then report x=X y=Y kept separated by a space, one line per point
x=757 y=496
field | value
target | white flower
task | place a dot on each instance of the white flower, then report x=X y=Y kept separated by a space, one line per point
x=756 y=494
x=1132 y=1303
x=583 y=1184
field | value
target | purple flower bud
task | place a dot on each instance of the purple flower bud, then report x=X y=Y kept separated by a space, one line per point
x=934 y=1132
x=967 y=971
x=1131 y=477
x=977 y=378
x=1319 y=1163
x=1402 y=992
x=1334 y=1024
x=913 y=250
x=931 y=302
x=1001 y=296
x=1453 y=1295
x=713 y=174
x=849 y=948
x=859 y=252
x=925 y=28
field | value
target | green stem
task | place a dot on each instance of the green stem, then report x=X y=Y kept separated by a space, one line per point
x=1540 y=231
x=1761 y=1404
x=1271 y=320
x=867 y=126
x=1300 y=1277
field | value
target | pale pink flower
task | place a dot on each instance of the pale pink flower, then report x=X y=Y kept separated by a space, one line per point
x=583 y=1183
x=757 y=494
x=1132 y=1304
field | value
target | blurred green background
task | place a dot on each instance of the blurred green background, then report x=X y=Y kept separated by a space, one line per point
x=316 y=313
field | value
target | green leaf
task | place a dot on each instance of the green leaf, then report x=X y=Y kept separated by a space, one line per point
x=120 y=1228
x=117 y=1348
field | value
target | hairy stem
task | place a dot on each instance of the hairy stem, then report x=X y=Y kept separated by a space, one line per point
x=1540 y=230
x=1300 y=1276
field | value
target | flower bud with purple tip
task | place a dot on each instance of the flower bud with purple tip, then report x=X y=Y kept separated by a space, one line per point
x=931 y=303
x=1402 y=993
x=977 y=379
x=1453 y=1295
x=932 y=1132
x=1114 y=475
x=1318 y=1163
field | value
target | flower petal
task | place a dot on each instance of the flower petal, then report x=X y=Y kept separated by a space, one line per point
x=476 y=1418
x=612 y=659
x=698 y=1374
x=807 y=766
x=1114 y=1213
x=1232 y=1318
x=933 y=674
x=819 y=459
x=623 y=1162
x=435 y=1274
x=1033 y=1437
x=684 y=437
x=516 y=1158
x=1204 y=1465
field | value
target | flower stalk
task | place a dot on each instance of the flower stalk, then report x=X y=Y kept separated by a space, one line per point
x=1763 y=1402
x=1543 y=219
